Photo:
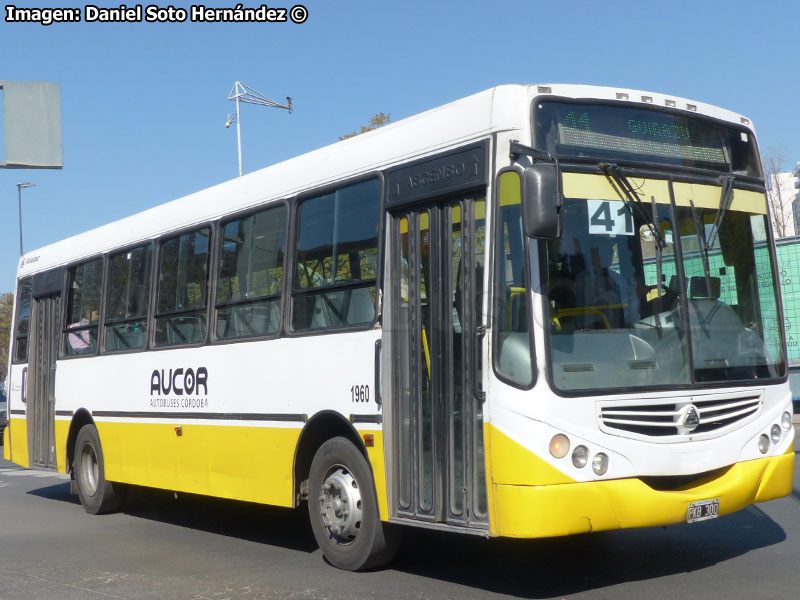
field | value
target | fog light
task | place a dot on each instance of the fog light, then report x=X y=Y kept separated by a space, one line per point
x=559 y=445
x=775 y=434
x=786 y=421
x=763 y=443
x=580 y=456
x=600 y=464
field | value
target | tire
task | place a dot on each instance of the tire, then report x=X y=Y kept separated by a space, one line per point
x=97 y=495
x=343 y=509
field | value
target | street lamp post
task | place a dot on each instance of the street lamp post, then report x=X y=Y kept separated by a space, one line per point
x=19 y=200
x=241 y=92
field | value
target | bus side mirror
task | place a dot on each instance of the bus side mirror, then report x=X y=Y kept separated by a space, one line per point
x=541 y=202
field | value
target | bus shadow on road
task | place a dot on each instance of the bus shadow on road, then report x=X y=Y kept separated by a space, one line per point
x=258 y=523
x=59 y=491
x=283 y=527
x=562 y=566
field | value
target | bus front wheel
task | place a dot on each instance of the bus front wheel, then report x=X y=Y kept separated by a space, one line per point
x=97 y=495
x=343 y=509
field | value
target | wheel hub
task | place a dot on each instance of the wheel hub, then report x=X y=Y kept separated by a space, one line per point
x=89 y=470
x=340 y=505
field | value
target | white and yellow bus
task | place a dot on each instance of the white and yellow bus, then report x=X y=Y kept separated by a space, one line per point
x=537 y=311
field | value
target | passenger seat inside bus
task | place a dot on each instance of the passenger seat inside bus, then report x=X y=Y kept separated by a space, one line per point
x=126 y=336
x=348 y=307
x=185 y=330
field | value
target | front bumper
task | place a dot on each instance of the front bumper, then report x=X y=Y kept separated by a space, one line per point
x=556 y=510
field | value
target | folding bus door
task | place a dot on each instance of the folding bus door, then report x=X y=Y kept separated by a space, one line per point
x=437 y=252
x=45 y=329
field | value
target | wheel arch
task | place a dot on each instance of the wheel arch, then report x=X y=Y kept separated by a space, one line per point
x=320 y=428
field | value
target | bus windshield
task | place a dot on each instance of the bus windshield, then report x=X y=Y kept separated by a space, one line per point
x=649 y=296
x=624 y=133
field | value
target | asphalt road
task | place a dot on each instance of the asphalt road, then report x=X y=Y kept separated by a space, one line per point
x=205 y=549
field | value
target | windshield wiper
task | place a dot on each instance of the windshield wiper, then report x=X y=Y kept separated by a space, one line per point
x=703 y=247
x=705 y=242
x=702 y=244
x=725 y=200
x=632 y=201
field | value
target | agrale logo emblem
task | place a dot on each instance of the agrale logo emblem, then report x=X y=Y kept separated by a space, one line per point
x=688 y=419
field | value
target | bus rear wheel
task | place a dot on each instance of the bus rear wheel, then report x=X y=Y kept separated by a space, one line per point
x=98 y=496
x=343 y=509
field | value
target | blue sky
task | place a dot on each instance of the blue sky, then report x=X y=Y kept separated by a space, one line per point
x=144 y=104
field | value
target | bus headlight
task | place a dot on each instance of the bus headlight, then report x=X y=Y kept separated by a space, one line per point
x=786 y=421
x=559 y=445
x=600 y=464
x=775 y=434
x=763 y=443
x=580 y=456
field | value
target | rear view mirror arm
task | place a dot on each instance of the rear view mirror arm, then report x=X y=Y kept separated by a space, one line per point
x=516 y=150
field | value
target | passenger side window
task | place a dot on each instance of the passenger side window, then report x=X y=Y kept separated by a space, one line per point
x=183 y=289
x=251 y=275
x=127 y=299
x=23 y=320
x=83 y=308
x=336 y=260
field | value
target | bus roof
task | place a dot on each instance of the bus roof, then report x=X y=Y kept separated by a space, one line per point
x=503 y=108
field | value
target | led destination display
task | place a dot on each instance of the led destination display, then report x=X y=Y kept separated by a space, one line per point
x=640 y=136
x=650 y=135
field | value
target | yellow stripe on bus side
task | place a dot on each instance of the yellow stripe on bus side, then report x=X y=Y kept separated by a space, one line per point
x=17 y=436
x=254 y=464
x=62 y=432
x=377 y=460
x=6 y=444
x=15 y=443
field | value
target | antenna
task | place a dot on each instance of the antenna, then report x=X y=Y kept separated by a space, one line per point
x=242 y=93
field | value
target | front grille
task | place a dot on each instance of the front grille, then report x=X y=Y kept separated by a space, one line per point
x=653 y=418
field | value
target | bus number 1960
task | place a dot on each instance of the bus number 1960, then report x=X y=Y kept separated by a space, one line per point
x=359 y=393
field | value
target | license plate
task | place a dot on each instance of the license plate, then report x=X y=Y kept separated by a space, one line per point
x=702 y=510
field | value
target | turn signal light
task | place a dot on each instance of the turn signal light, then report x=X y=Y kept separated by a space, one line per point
x=559 y=445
